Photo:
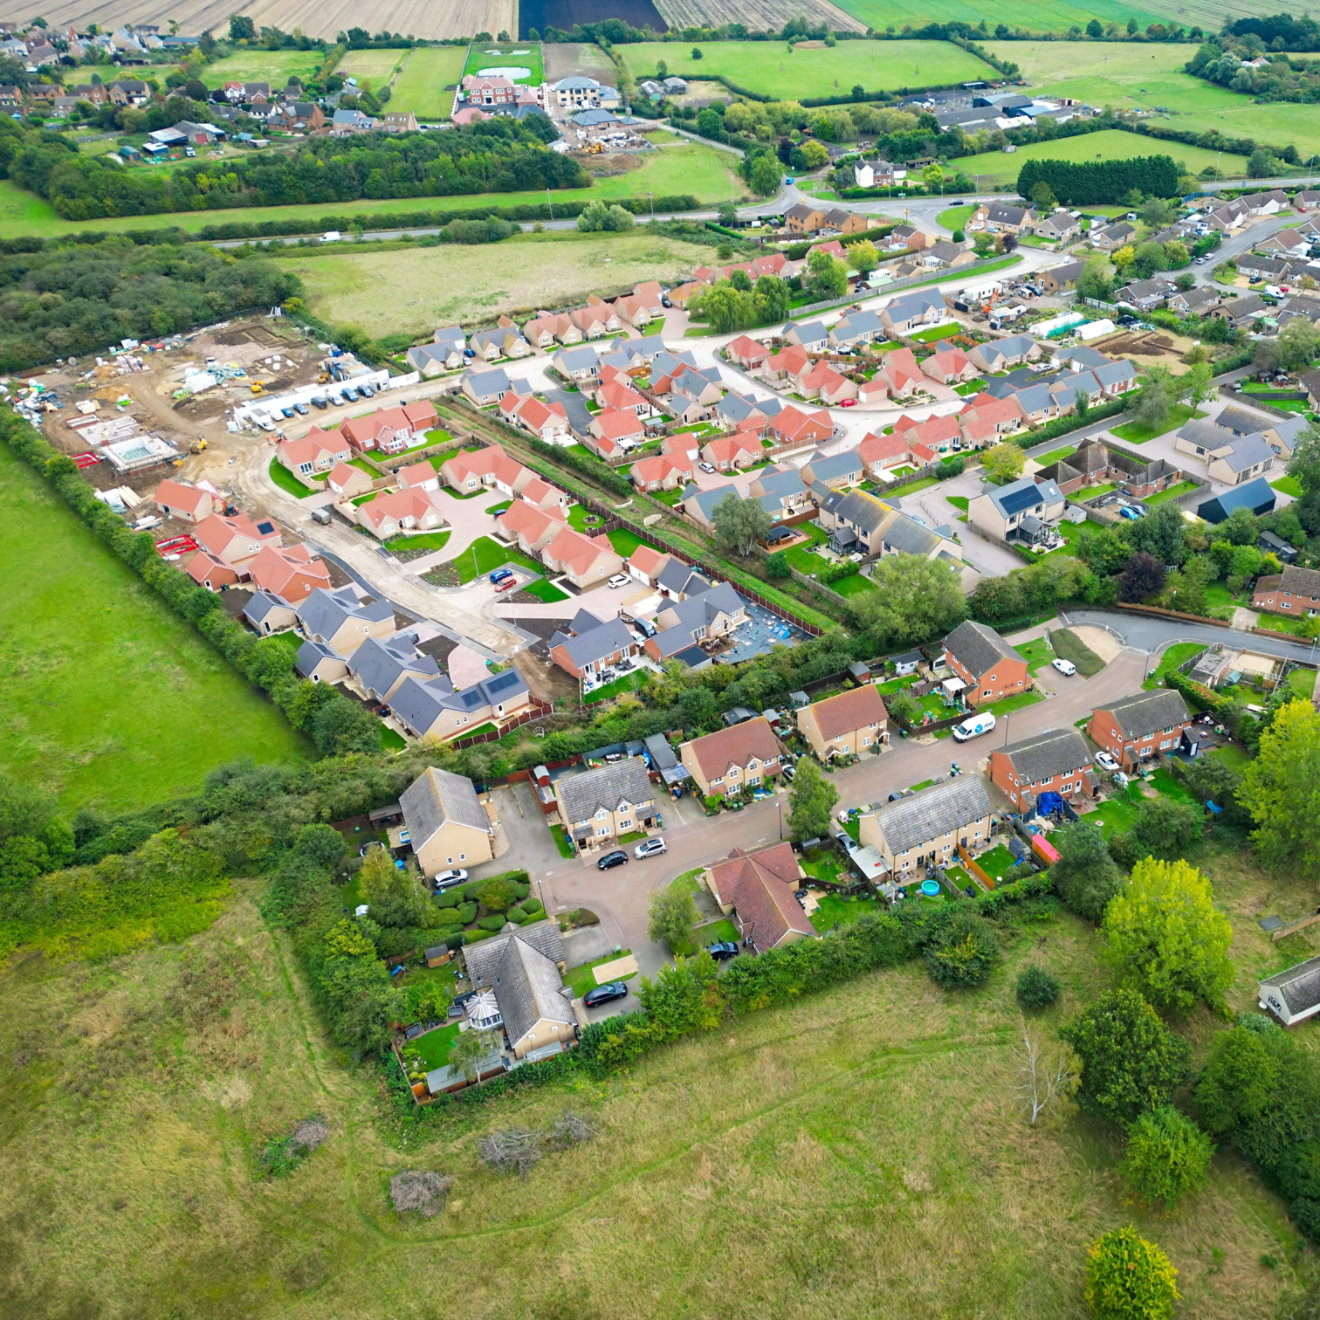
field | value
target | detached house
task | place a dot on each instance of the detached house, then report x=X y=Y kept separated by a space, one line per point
x=317 y=451
x=289 y=573
x=927 y=827
x=597 y=806
x=759 y=889
x=187 y=503
x=734 y=759
x=1057 y=761
x=985 y=662
x=447 y=825
x=436 y=709
x=391 y=430
x=1002 y=218
x=520 y=972
x=341 y=622
x=849 y=723
x=585 y=654
x=584 y=560
x=237 y=539
x=911 y=311
x=1025 y=510
x=1140 y=727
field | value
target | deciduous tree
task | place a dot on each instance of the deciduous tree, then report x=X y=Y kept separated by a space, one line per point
x=740 y=524
x=1085 y=876
x=1167 y=1157
x=1129 y=1278
x=673 y=914
x=1003 y=462
x=1281 y=790
x=469 y=1051
x=811 y=799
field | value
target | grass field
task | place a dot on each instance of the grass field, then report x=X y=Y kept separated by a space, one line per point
x=1138 y=433
x=104 y=694
x=433 y=286
x=1143 y=76
x=997 y=167
x=273 y=66
x=1033 y=15
x=769 y=67
x=425 y=83
x=372 y=68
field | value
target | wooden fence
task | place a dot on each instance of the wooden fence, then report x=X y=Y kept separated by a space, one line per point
x=538 y=711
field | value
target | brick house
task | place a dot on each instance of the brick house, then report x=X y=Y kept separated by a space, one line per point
x=849 y=723
x=929 y=826
x=758 y=888
x=733 y=759
x=1295 y=591
x=1057 y=761
x=985 y=662
x=1139 y=727
x=597 y=806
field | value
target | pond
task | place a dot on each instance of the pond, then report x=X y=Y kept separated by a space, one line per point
x=510 y=71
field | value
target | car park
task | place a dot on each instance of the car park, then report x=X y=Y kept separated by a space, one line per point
x=612 y=859
x=1065 y=667
x=651 y=847
x=604 y=994
x=723 y=950
x=366 y=391
x=447 y=879
x=320 y=401
x=1106 y=762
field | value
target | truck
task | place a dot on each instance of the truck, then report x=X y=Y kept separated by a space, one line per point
x=974 y=726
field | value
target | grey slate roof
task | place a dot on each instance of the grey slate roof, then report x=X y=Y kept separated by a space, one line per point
x=978 y=648
x=905 y=535
x=261 y=604
x=578 y=358
x=1299 y=986
x=494 y=381
x=595 y=643
x=310 y=654
x=913 y=304
x=1148 y=711
x=861 y=511
x=698 y=611
x=1044 y=755
x=826 y=466
x=528 y=990
x=934 y=811
x=378 y=665
x=419 y=704
x=324 y=612
x=1246 y=451
x=437 y=797
x=483 y=958
x=1025 y=493
x=606 y=786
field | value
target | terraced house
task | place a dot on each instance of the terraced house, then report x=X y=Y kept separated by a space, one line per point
x=1295 y=591
x=597 y=806
x=927 y=827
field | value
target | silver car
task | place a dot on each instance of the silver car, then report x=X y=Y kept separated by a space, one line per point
x=650 y=848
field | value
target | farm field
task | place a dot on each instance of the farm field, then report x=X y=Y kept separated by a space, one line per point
x=999 y=168
x=537 y=15
x=371 y=67
x=763 y=15
x=799 y=1134
x=273 y=66
x=771 y=69
x=435 y=286
x=426 y=82
x=1141 y=76
x=103 y=692
x=1052 y=15
x=567 y=58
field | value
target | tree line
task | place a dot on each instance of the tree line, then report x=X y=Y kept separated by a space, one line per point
x=1100 y=182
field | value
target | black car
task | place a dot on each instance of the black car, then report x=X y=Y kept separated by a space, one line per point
x=724 y=949
x=602 y=994
x=612 y=859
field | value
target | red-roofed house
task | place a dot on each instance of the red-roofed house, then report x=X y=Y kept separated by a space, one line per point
x=546 y=421
x=533 y=528
x=747 y=352
x=619 y=428
x=621 y=396
x=660 y=472
x=347 y=481
x=788 y=364
x=541 y=493
x=418 y=476
x=317 y=451
x=399 y=511
x=730 y=453
x=733 y=759
x=823 y=382
x=949 y=365
x=759 y=888
x=186 y=502
x=584 y=560
x=212 y=573
x=791 y=424
x=882 y=453
x=902 y=373
x=935 y=433
x=391 y=430
x=290 y=572
x=986 y=419
x=491 y=467
x=235 y=540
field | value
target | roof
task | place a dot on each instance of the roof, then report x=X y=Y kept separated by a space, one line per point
x=419 y=704
x=437 y=797
x=858 y=708
x=766 y=905
x=716 y=752
x=325 y=612
x=1299 y=986
x=495 y=381
x=483 y=958
x=528 y=989
x=1247 y=451
x=1300 y=581
x=1025 y=493
x=1054 y=752
x=582 y=795
x=935 y=811
x=1256 y=495
x=977 y=647
x=379 y=665
x=1147 y=711
x=778 y=860
x=596 y=643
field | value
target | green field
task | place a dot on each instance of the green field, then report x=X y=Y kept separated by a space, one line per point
x=372 y=68
x=426 y=82
x=273 y=66
x=521 y=54
x=433 y=286
x=1143 y=76
x=1033 y=15
x=770 y=68
x=105 y=696
x=999 y=168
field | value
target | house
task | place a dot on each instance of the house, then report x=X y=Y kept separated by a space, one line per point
x=578 y=366
x=388 y=515
x=858 y=328
x=1001 y=354
x=378 y=668
x=988 y=666
x=447 y=825
x=902 y=373
x=1294 y=995
x=347 y=481
x=341 y=622
x=1243 y=310
x=882 y=453
x=797 y=426
x=1113 y=237
x=522 y=970
x=585 y=654
x=614 y=431
x=317 y=451
x=949 y=365
x=732 y=453
x=839 y=221
x=1059 y=278
x=662 y=472
x=911 y=311
x=907 y=238
x=290 y=573
x=699 y=618
x=1295 y=591
x=213 y=573
x=397 y=121
x=733 y=760
x=759 y=888
x=1057 y=761
x=859 y=523
x=621 y=396
x=1143 y=295
x=1140 y=727
x=533 y=528
x=436 y=709
x=746 y=352
x=1230 y=459
x=485 y=387
x=584 y=560
x=345 y=123
x=1194 y=302
x=1001 y=218
x=391 y=430
x=266 y=614
x=943 y=254
x=234 y=540
x=927 y=827
x=823 y=382
x=1024 y=510
x=186 y=502
x=548 y=422
x=803 y=218
x=1059 y=226
x=877 y=174
x=781 y=491
x=848 y=723
x=1096 y=464
x=834 y=470
x=1258 y=496
x=505 y=341
x=597 y=806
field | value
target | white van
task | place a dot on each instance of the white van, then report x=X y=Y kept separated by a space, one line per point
x=331 y=236
x=973 y=726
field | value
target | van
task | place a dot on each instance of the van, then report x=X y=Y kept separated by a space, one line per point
x=331 y=236
x=645 y=627
x=322 y=516
x=973 y=726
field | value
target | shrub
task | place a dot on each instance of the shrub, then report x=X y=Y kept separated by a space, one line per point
x=443 y=918
x=516 y=915
x=467 y=913
x=1129 y=1278
x=496 y=894
x=447 y=899
x=964 y=953
x=472 y=936
x=493 y=922
x=1167 y=1157
x=532 y=907
x=1036 y=988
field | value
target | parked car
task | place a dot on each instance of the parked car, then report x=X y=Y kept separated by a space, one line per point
x=708 y=468
x=1106 y=762
x=500 y=575
x=448 y=879
x=847 y=403
x=1065 y=667
x=300 y=409
x=366 y=391
x=651 y=847
x=604 y=994
x=612 y=859
x=722 y=951
x=1129 y=513
x=618 y=580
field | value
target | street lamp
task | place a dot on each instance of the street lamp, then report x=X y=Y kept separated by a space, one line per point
x=548 y=202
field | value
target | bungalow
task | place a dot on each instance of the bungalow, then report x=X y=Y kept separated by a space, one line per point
x=597 y=806
x=1001 y=218
x=1113 y=237
x=731 y=760
x=662 y=471
x=467 y=472
x=787 y=364
x=1286 y=243
x=988 y=666
x=782 y=492
x=1140 y=727
x=936 y=435
x=943 y=255
x=902 y=373
x=1257 y=268
x=548 y=328
x=1001 y=354
x=811 y=335
x=532 y=528
x=1242 y=311
x=521 y=970
x=438 y=710
x=432 y=359
x=213 y=573
x=733 y=453
x=485 y=388
x=797 y=426
x=694 y=617
x=949 y=365
x=1059 y=278
x=380 y=666
x=347 y=481
x=846 y=724
x=505 y=341
x=584 y=560
x=447 y=825
x=927 y=827
x=834 y=470
x=911 y=311
x=391 y=430
x=615 y=430
x=579 y=366
x=548 y=422
x=759 y=889
x=585 y=654
x=1059 y=225
x=1295 y=591
x=596 y=320
x=1057 y=761
x=418 y=476
x=341 y=622
x=859 y=328
x=823 y=382
x=186 y=502
x=986 y=420
x=1194 y=302
x=1144 y=295
x=317 y=451
x=882 y=453
x=264 y=614
x=399 y=511
x=235 y=539
x=290 y=573
x=622 y=397
x=746 y=352
x=1230 y=459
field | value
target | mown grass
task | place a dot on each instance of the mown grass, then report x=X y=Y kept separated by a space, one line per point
x=273 y=66
x=424 y=83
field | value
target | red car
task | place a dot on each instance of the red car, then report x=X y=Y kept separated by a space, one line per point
x=847 y=403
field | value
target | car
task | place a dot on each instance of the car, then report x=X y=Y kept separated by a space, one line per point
x=300 y=409
x=708 y=468
x=1106 y=762
x=1065 y=667
x=320 y=401
x=651 y=847
x=1200 y=261
x=350 y=394
x=847 y=403
x=366 y=391
x=500 y=575
x=722 y=950
x=604 y=994
x=447 y=879
x=618 y=580
x=788 y=772
x=612 y=859
x=1129 y=513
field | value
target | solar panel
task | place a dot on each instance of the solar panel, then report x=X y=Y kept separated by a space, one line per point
x=1015 y=501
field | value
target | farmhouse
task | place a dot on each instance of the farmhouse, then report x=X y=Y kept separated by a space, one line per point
x=760 y=889
x=926 y=827
x=1057 y=761
x=987 y=664
x=1137 y=728
x=846 y=724
x=732 y=759
x=447 y=825
x=597 y=806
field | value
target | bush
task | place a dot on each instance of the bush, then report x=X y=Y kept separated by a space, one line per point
x=472 y=936
x=446 y=899
x=516 y=915
x=493 y=922
x=467 y=913
x=496 y=894
x=1036 y=988
x=1167 y=1157
x=964 y=954
x=532 y=907
x=444 y=918
x=1129 y=1278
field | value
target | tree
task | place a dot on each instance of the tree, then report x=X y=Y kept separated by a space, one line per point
x=1003 y=462
x=811 y=799
x=469 y=1051
x=241 y=28
x=1128 y=1277
x=1042 y=1080
x=771 y=299
x=826 y=277
x=740 y=525
x=393 y=897
x=591 y=219
x=344 y=726
x=1043 y=195
x=728 y=214
x=1157 y=213
x=1085 y=876
x=673 y=914
x=1198 y=384
x=1165 y=938
x=1155 y=396
x=1143 y=576
x=496 y=894
x=764 y=177
x=696 y=52
x=915 y=599
x=1239 y=1082
x=661 y=69
x=1261 y=164
x=1281 y=790
x=1162 y=534
x=1130 y=1061
x=1036 y=988
x=1167 y=1157
x=1299 y=344
x=864 y=257
x=964 y=953
x=1163 y=828
x=814 y=154
x=1097 y=278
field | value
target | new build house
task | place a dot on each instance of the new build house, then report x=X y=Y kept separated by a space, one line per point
x=848 y=723
x=1057 y=761
x=758 y=889
x=447 y=825
x=734 y=759
x=597 y=806
x=1140 y=727
x=927 y=827
x=985 y=662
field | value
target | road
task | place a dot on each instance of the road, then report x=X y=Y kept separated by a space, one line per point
x=1151 y=635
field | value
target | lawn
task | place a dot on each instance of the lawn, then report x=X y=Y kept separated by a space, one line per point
x=1172 y=493
x=833 y=910
x=483 y=56
x=722 y=931
x=1116 y=816
x=996 y=862
x=1288 y=486
x=546 y=592
x=828 y=865
x=434 y=1046
x=771 y=68
x=433 y=286
x=1174 y=656
x=372 y=68
x=1137 y=433
x=1017 y=701
x=937 y=332
x=624 y=541
x=955 y=217
x=105 y=696
x=1038 y=16
x=426 y=82
x=287 y=482
x=1056 y=455
x=273 y=66
x=617 y=687
x=997 y=167
x=582 y=519
x=560 y=836
x=856 y=585
x=485 y=555
x=582 y=977
x=1036 y=653
x=1093 y=492
x=423 y=541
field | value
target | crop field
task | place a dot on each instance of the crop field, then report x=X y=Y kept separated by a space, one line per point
x=537 y=15
x=273 y=66
x=437 y=286
x=758 y=15
x=1052 y=15
x=867 y=1141
x=770 y=68
x=1137 y=76
x=999 y=168
x=426 y=82
x=371 y=68
x=104 y=694
x=519 y=55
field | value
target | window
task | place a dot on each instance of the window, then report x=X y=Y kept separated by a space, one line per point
x=449 y=860
x=720 y=780
x=602 y=832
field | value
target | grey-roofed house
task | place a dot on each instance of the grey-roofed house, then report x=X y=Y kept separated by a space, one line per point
x=432 y=359
x=1056 y=761
x=485 y=387
x=534 y=1004
x=809 y=334
x=380 y=665
x=596 y=806
x=1004 y=512
x=929 y=826
x=1258 y=496
x=1000 y=354
x=781 y=493
x=446 y=823
x=437 y=709
x=1230 y=458
x=704 y=617
x=857 y=328
x=987 y=665
x=585 y=654
x=1294 y=995
x=578 y=366
x=677 y=580
x=266 y=614
x=342 y=621
x=911 y=311
x=319 y=663
x=845 y=469
x=1141 y=726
